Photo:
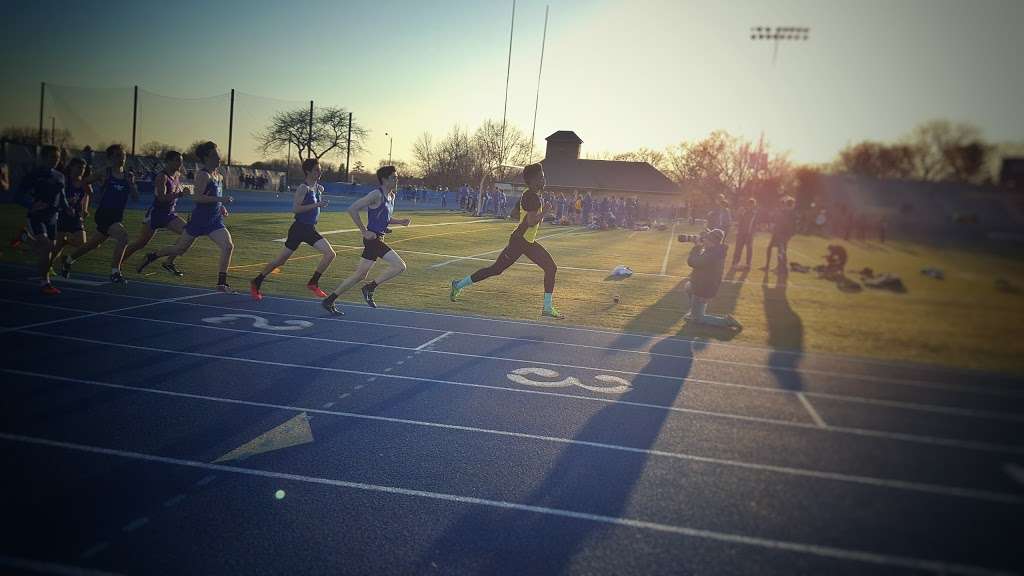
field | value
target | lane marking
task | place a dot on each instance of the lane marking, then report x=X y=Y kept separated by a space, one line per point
x=770 y=389
x=477 y=221
x=107 y=312
x=944 y=490
x=810 y=410
x=51 y=567
x=668 y=249
x=135 y=524
x=732 y=538
x=206 y=480
x=520 y=376
x=260 y=322
x=94 y=550
x=657 y=338
x=61 y=280
x=172 y=502
x=433 y=341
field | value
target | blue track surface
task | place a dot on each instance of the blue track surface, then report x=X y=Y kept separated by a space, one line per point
x=404 y=442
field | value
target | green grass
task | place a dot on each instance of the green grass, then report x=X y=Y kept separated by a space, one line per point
x=963 y=320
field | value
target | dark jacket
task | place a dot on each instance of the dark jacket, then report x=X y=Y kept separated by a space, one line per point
x=708 y=263
x=745 y=221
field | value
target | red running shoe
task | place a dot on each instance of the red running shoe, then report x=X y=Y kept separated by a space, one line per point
x=316 y=290
x=254 y=291
x=49 y=290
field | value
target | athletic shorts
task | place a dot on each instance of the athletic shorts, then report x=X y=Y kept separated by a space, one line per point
x=70 y=224
x=107 y=218
x=374 y=249
x=40 y=228
x=196 y=230
x=301 y=232
x=158 y=218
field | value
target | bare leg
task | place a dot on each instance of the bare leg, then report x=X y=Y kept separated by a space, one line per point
x=358 y=276
x=395 y=267
x=328 y=255
x=222 y=238
x=145 y=235
x=120 y=235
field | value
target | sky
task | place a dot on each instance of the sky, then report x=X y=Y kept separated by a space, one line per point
x=622 y=75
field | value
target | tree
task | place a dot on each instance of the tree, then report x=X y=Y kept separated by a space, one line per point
x=29 y=136
x=154 y=148
x=947 y=151
x=877 y=160
x=329 y=135
x=655 y=158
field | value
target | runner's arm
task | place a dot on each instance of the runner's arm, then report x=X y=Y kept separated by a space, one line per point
x=365 y=202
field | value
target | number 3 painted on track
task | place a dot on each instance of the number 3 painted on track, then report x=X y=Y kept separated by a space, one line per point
x=520 y=376
x=259 y=322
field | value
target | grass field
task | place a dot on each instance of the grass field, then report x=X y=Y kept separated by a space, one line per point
x=964 y=320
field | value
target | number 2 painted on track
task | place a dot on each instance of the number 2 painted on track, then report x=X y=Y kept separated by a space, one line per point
x=521 y=376
x=260 y=322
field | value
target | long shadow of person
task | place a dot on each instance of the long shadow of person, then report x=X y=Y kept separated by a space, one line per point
x=577 y=477
x=785 y=335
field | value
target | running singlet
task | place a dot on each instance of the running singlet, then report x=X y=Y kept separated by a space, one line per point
x=115 y=193
x=379 y=217
x=171 y=186
x=207 y=216
x=312 y=197
x=530 y=202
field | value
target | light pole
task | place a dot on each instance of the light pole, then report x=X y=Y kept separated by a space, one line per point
x=779 y=34
x=391 y=140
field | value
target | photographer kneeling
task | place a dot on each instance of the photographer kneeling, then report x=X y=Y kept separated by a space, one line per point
x=708 y=262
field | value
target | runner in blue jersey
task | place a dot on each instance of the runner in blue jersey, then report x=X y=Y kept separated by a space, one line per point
x=306 y=204
x=71 y=225
x=117 y=185
x=207 y=217
x=45 y=188
x=380 y=206
x=161 y=214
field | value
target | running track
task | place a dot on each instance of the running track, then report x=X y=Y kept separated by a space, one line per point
x=404 y=442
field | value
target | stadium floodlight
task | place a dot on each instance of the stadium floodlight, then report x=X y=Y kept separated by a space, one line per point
x=779 y=34
x=391 y=140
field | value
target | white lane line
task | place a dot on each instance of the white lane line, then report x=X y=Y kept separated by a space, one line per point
x=94 y=550
x=841 y=397
x=477 y=221
x=475 y=256
x=656 y=338
x=939 y=489
x=345 y=395
x=135 y=524
x=62 y=280
x=50 y=567
x=810 y=410
x=104 y=313
x=947 y=442
x=206 y=480
x=174 y=501
x=732 y=538
x=433 y=341
x=668 y=249
x=400 y=362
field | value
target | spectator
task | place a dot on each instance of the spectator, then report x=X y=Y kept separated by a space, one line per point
x=708 y=262
x=782 y=230
x=746 y=223
x=720 y=217
x=588 y=209
x=444 y=198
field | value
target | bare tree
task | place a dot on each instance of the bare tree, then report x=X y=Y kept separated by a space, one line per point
x=329 y=134
x=155 y=148
x=655 y=158
x=937 y=143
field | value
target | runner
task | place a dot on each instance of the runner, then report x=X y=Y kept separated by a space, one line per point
x=207 y=217
x=118 y=185
x=380 y=206
x=166 y=191
x=523 y=241
x=46 y=188
x=71 y=225
x=306 y=205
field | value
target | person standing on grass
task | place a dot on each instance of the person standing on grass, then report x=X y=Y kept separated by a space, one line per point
x=70 y=224
x=207 y=217
x=306 y=204
x=783 y=229
x=45 y=187
x=523 y=241
x=746 y=221
x=117 y=185
x=166 y=191
x=380 y=208
x=720 y=217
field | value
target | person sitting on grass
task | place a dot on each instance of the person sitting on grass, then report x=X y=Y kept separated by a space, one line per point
x=708 y=262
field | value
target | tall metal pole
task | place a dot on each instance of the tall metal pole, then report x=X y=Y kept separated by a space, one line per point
x=309 y=142
x=536 y=102
x=508 y=76
x=231 y=124
x=53 y=130
x=135 y=118
x=42 y=98
x=348 y=147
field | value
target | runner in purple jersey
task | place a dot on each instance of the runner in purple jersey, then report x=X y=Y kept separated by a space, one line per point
x=166 y=191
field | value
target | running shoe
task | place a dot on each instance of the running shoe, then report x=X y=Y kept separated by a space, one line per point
x=65 y=266
x=368 y=296
x=170 y=267
x=254 y=291
x=552 y=313
x=454 y=294
x=316 y=290
x=330 y=307
x=224 y=288
x=149 y=259
x=49 y=290
x=117 y=278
